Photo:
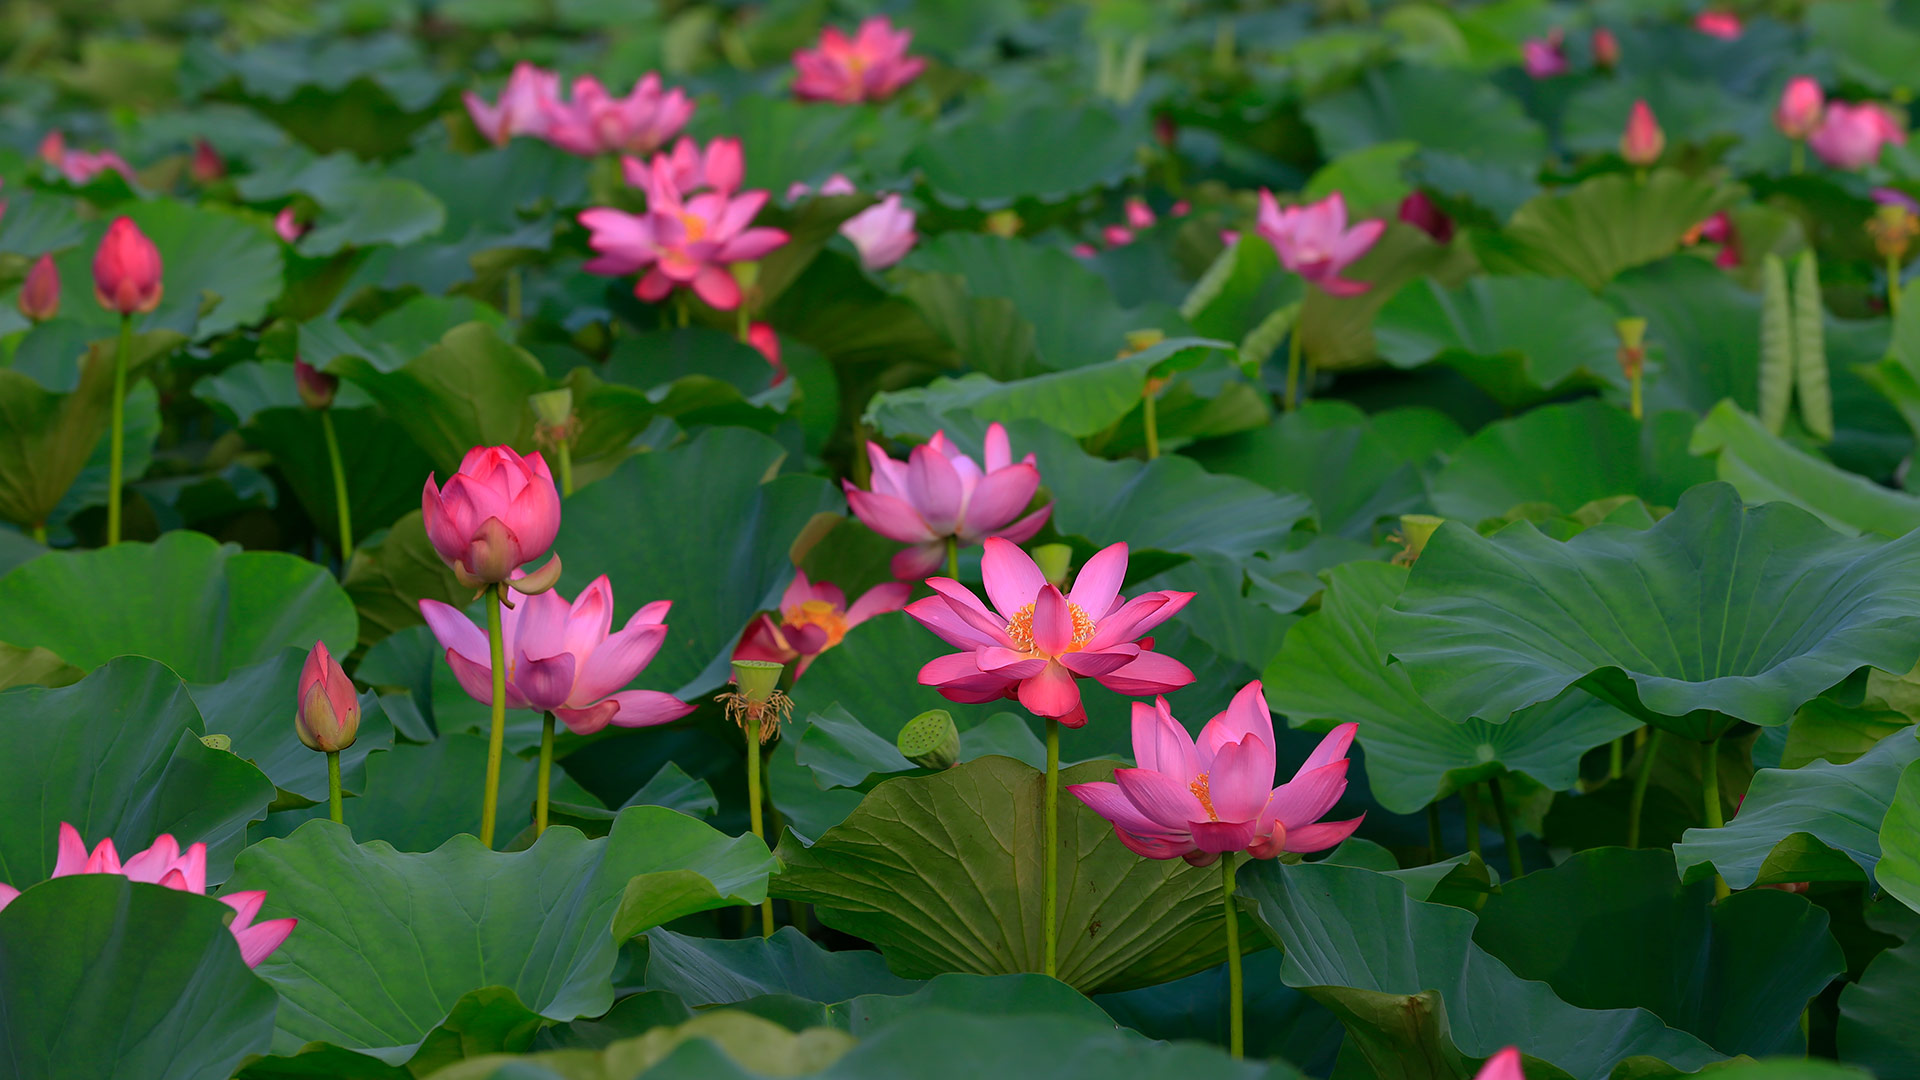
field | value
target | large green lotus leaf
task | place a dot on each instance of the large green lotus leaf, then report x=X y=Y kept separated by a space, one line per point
x=254 y=707
x=384 y=467
x=1899 y=869
x=360 y=204
x=200 y=607
x=141 y=430
x=221 y=270
x=1045 y=153
x=1416 y=993
x=394 y=338
x=1080 y=402
x=1520 y=339
x=710 y=971
x=706 y=525
x=1075 y=319
x=1876 y=1014
x=942 y=872
x=1737 y=973
x=368 y=94
x=1767 y=468
x=1567 y=456
x=802 y=142
x=1820 y=822
x=1330 y=670
x=469 y=390
x=870 y=675
x=1242 y=287
x=118 y=755
x=1447 y=110
x=105 y=977
x=34 y=667
x=1602 y=226
x=1867 y=43
x=1289 y=1025
x=1329 y=452
x=409 y=934
x=390 y=574
x=1716 y=614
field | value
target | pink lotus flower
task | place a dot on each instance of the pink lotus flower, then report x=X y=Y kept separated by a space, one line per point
x=872 y=66
x=720 y=167
x=1200 y=800
x=81 y=166
x=562 y=659
x=939 y=492
x=882 y=233
x=1314 y=241
x=1643 y=140
x=525 y=103
x=1420 y=211
x=39 y=297
x=1850 y=136
x=1719 y=229
x=1116 y=235
x=1504 y=1065
x=287 y=225
x=1545 y=57
x=1724 y=25
x=499 y=512
x=680 y=241
x=1035 y=643
x=1139 y=214
x=813 y=619
x=762 y=337
x=164 y=864
x=595 y=122
x=1084 y=251
x=1798 y=114
x=1606 y=48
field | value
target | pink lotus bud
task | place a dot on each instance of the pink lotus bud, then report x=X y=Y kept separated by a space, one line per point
x=1547 y=57
x=761 y=336
x=499 y=512
x=127 y=270
x=287 y=226
x=53 y=149
x=1139 y=214
x=1084 y=251
x=316 y=387
x=1643 y=140
x=1422 y=213
x=1798 y=114
x=40 y=296
x=1606 y=49
x=1181 y=208
x=883 y=233
x=1504 y=1065
x=1724 y=25
x=1165 y=129
x=1116 y=235
x=206 y=166
x=328 y=716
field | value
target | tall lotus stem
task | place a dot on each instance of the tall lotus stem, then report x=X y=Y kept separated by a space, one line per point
x=953 y=557
x=496 y=596
x=341 y=508
x=1633 y=358
x=1293 y=369
x=117 y=448
x=543 y=782
x=1507 y=834
x=1710 y=798
x=1470 y=795
x=1640 y=788
x=1236 y=1006
x=1798 y=164
x=334 y=810
x=1050 y=879
x=1436 y=847
x=758 y=706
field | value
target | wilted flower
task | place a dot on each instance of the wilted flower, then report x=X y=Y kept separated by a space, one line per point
x=1643 y=140
x=872 y=66
x=127 y=270
x=1421 y=212
x=814 y=618
x=1545 y=57
x=499 y=512
x=1798 y=114
x=940 y=492
x=1035 y=642
x=1851 y=136
x=164 y=864
x=562 y=659
x=680 y=241
x=524 y=104
x=1201 y=800
x=1314 y=241
x=595 y=122
x=882 y=233
x=40 y=295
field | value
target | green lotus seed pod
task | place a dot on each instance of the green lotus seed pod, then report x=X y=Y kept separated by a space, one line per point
x=930 y=740
x=552 y=407
x=757 y=679
x=1054 y=560
x=1418 y=529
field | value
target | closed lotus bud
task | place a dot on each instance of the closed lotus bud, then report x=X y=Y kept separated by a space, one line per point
x=127 y=270
x=316 y=387
x=757 y=679
x=40 y=296
x=930 y=740
x=1801 y=103
x=207 y=166
x=329 y=713
x=1606 y=49
x=1054 y=560
x=1643 y=140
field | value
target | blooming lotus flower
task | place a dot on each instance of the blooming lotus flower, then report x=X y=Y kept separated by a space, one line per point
x=1545 y=57
x=81 y=166
x=499 y=512
x=720 y=167
x=328 y=714
x=562 y=659
x=1643 y=140
x=1424 y=214
x=1850 y=136
x=814 y=617
x=680 y=241
x=1199 y=800
x=870 y=67
x=1034 y=643
x=595 y=122
x=1724 y=25
x=1606 y=48
x=127 y=270
x=40 y=295
x=164 y=864
x=883 y=233
x=525 y=104
x=939 y=492
x=1798 y=114
x=1314 y=241
x=762 y=337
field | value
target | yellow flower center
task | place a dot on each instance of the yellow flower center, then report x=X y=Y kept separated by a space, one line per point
x=818 y=613
x=1021 y=628
x=1200 y=791
x=695 y=225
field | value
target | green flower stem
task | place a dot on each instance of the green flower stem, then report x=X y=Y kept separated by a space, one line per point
x=1050 y=880
x=341 y=508
x=543 y=783
x=1508 y=835
x=1634 y=404
x=1710 y=802
x=1436 y=847
x=1616 y=752
x=1640 y=788
x=1893 y=287
x=953 y=557
x=40 y=533
x=497 y=740
x=1236 y=1007
x=1470 y=795
x=333 y=788
x=753 y=810
x=1293 y=368
x=566 y=468
x=1799 y=163
x=1147 y=409
x=118 y=444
